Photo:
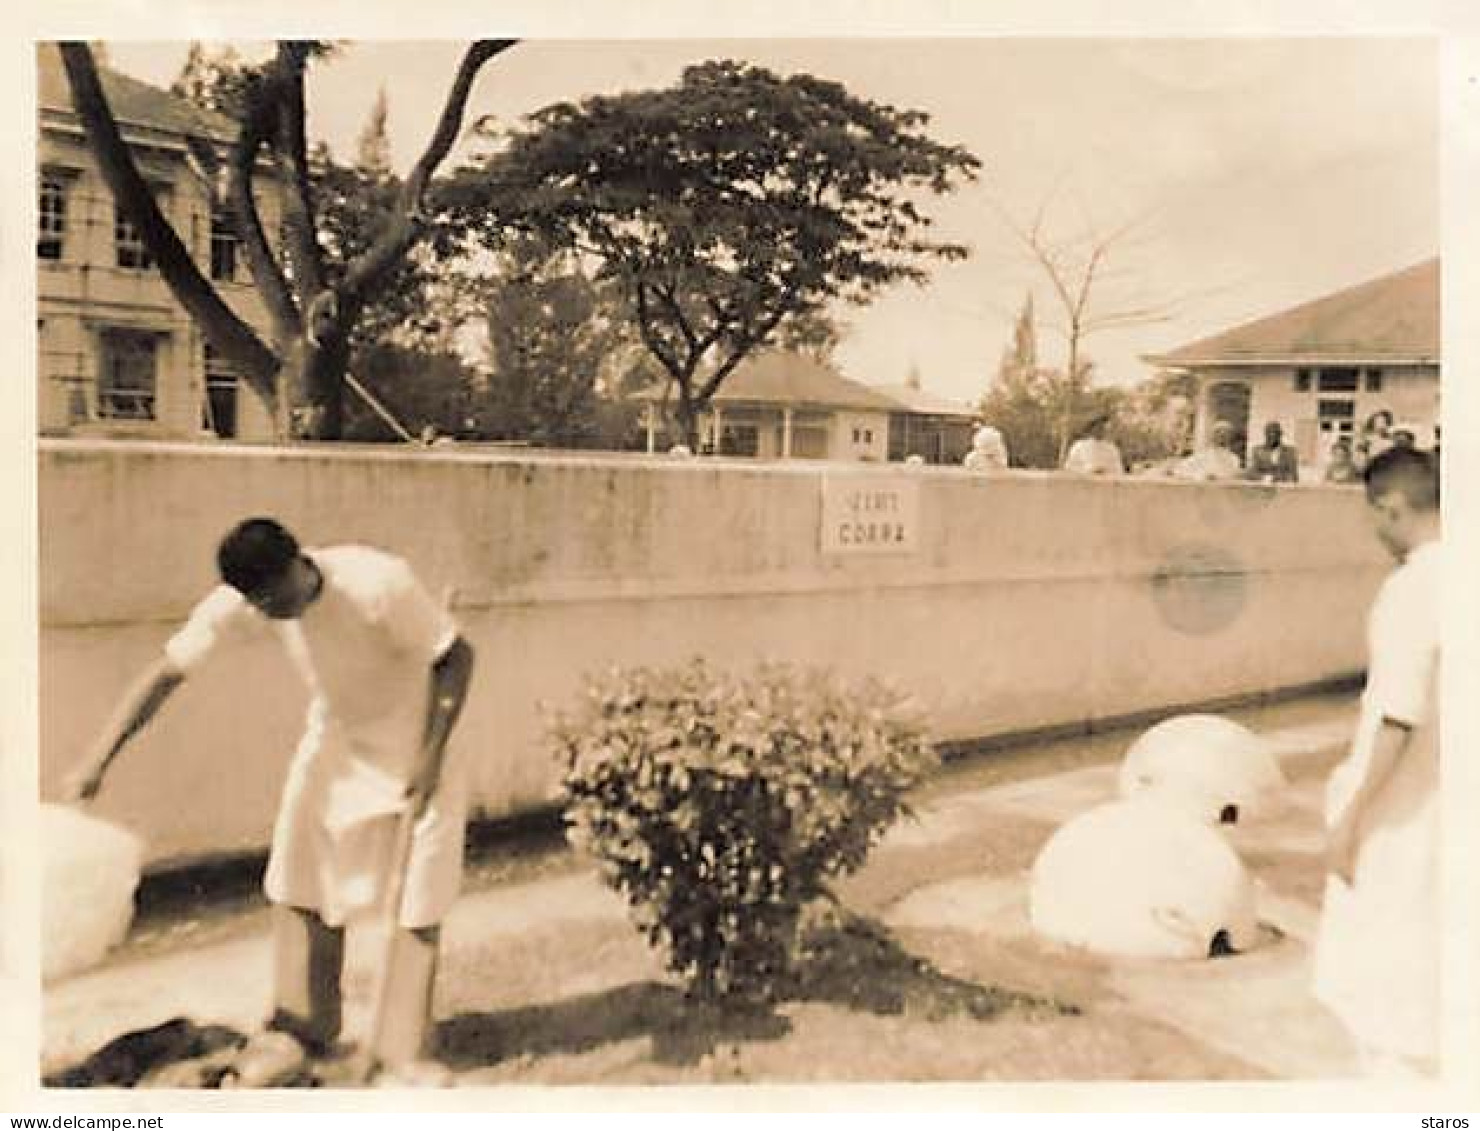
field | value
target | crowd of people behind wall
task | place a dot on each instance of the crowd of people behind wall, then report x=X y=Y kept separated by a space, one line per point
x=1272 y=461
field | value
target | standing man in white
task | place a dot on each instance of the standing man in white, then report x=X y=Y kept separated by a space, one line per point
x=1377 y=953
x=388 y=674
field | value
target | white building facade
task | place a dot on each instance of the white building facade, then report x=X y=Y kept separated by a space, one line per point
x=116 y=354
x=1323 y=368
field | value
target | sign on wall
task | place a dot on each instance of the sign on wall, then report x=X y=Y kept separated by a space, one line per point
x=870 y=514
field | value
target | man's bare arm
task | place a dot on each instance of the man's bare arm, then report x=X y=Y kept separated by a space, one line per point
x=1388 y=747
x=450 y=676
x=139 y=704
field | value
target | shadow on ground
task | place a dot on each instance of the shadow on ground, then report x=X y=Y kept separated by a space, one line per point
x=854 y=965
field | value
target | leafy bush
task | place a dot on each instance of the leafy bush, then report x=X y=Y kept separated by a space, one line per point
x=719 y=805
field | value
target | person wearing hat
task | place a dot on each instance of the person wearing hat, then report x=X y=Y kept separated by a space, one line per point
x=988 y=451
x=1092 y=453
x=1217 y=461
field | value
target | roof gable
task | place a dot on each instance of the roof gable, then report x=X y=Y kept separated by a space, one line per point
x=1393 y=318
x=779 y=378
x=923 y=402
x=133 y=102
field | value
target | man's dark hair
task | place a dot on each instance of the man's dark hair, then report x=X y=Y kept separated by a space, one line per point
x=1409 y=471
x=256 y=553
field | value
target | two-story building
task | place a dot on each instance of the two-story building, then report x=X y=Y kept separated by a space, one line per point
x=1322 y=368
x=116 y=354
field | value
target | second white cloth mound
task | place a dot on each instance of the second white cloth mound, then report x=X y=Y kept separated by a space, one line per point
x=1142 y=879
x=1214 y=768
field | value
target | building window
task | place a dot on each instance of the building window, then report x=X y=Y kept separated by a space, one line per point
x=219 y=407
x=740 y=440
x=128 y=246
x=51 y=230
x=1373 y=380
x=223 y=245
x=127 y=375
x=1337 y=381
x=1336 y=415
x=1302 y=380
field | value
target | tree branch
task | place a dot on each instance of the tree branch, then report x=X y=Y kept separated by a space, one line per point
x=744 y=344
x=222 y=327
x=299 y=212
x=650 y=339
x=260 y=117
x=404 y=228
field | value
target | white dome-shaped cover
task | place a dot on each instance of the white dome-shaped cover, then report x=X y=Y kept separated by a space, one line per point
x=1144 y=880
x=90 y=871
x=1217 y=769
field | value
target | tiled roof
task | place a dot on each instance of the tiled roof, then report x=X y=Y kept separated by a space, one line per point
x=1394 y=318
x=778 y=378
x=923 y=402
x=133 y=102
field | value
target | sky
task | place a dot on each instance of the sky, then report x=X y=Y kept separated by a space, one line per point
x=1253 y=173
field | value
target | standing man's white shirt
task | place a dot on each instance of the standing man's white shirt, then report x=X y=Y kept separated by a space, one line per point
x=1377 y=953
x=365 y=648
x=1089 y=456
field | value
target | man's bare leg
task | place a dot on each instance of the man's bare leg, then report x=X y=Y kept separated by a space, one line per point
x=406 y=1030
x=308 y=961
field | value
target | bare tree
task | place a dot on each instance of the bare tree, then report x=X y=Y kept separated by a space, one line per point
x=1077 y=269
x=312 y=303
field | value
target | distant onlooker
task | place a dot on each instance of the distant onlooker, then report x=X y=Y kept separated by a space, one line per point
x=1273 y=461
x=1092 y=453
x=1217 y=461
x=1342 y=466
x=988 y=451
x=1404 y=435
x=1376 y=437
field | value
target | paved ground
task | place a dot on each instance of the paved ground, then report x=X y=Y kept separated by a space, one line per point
x=1255 y=1007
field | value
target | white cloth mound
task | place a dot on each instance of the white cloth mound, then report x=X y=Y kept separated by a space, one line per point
x=1141 y=879
x=91 y=869
x=1205 y=764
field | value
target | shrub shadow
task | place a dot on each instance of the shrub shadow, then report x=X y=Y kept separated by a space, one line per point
x=853 y=964
x=682 y=1031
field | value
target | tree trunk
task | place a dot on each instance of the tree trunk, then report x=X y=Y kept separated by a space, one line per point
x=312 y=389
x=686 y=416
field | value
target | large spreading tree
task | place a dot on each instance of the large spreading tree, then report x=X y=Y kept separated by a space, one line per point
x=315 y=296
x=720 y=208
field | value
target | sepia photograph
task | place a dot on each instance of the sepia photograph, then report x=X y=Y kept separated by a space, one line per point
x=578 y=561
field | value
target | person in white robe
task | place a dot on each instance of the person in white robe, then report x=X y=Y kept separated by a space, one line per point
x=988 y=451
x=1093 y=453
x=1216 y=462
x=388 y=673
x=1377 y=951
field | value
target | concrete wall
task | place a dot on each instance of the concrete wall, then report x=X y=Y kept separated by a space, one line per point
x=1030 y=600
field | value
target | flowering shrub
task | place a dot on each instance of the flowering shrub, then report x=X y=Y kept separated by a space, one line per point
x=720 y=805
